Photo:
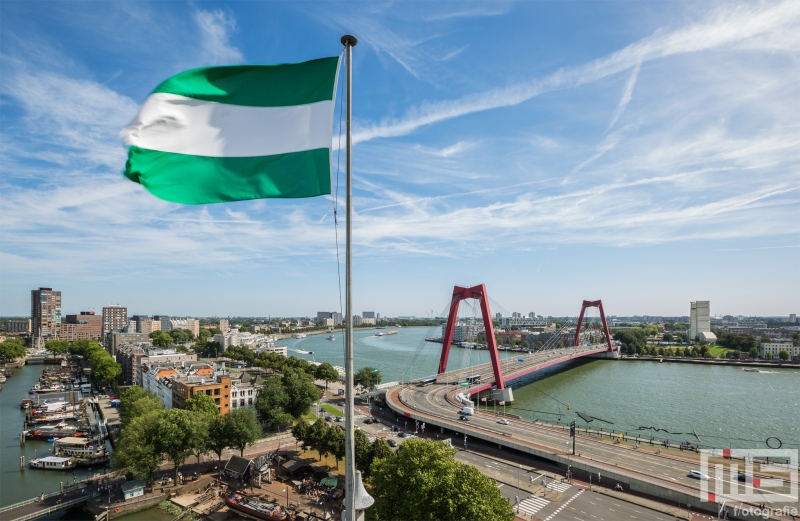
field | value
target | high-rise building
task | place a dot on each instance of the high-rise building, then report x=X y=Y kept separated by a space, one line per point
x=148 y=325
x=699 y=318
x=792 y=318
x=115 y=318
x=368 y=314
x=166 y=322
x=224 y=325
x=45 y=315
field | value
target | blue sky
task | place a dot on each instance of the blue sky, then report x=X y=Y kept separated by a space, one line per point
x=643 y=153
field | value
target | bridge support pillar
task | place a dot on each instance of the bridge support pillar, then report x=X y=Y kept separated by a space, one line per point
x=503 y=395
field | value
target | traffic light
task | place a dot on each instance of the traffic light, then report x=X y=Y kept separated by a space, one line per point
x=572 y=429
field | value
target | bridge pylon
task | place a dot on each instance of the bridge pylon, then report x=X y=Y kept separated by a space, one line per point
x=478 y=293
x=592 y=304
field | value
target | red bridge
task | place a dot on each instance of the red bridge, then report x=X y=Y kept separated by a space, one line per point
x=577 y=348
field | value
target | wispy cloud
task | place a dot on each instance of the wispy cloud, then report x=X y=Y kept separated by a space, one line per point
x=215 y=27
x=475 y=10
x=627 y=95
x=726 y=26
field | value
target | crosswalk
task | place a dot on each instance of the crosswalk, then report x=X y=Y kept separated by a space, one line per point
x=558 y=486
x=532 y=504
x=562 y=507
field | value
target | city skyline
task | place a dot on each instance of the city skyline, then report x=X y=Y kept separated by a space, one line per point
x=642 y=154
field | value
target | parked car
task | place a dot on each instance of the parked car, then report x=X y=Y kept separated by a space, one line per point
x=391 y=442
x=696 y=474
x=401 y=434
x=339 y=419
x=502 y=422
x=328 y=418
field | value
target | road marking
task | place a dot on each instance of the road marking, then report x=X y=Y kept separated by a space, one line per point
x=532 y=505
x=558 y=486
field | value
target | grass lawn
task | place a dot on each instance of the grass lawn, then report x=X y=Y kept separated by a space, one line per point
x=719 y=351
x=309 y=416
x=334 y=411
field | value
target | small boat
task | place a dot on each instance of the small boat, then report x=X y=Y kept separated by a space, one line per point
x=2 y=378
x=53 y=463
x=256 y=508
x=331 y=337
x=750 y=370
x=26 y=404
x=62 y=430
x=387 y=333
x=299 y=335
x=48 y=388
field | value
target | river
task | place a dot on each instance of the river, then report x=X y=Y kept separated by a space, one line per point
x=724 y=405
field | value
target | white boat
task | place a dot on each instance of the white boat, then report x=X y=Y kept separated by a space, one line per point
x=385 y=333
x=81 y=447
x=750 y=370
x=299 y=335
x=53 y=463
x=331 y=337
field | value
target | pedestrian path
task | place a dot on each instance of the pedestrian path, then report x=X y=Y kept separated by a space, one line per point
x=562 y=507
x=558 y=486
x=532 y=504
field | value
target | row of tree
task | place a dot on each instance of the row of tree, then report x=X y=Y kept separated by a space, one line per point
x=329 y=440
x=742 y=343
x=150 y=434
x=104 y=367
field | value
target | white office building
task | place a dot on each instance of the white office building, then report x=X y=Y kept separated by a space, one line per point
x=699 y=318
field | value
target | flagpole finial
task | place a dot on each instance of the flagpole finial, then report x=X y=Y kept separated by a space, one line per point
x=349 y=39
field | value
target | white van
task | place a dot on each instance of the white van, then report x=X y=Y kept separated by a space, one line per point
x=86 y=388
x=467 y=410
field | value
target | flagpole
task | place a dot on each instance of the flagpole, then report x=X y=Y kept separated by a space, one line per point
x=349 y=42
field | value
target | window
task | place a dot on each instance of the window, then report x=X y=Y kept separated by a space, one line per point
x=216 y=391
x=216 y=400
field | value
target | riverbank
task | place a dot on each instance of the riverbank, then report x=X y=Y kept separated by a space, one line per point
x=789 y=364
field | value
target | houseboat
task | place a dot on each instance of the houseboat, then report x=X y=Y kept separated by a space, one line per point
x=53 y=463
x=62 y=430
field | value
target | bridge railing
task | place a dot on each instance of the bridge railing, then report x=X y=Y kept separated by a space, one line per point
x=28 y=502
x=49 y=510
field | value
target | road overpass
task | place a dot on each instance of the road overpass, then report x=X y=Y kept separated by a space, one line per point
x=647 y=469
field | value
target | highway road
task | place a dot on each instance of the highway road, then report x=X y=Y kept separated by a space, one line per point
x=669 y=469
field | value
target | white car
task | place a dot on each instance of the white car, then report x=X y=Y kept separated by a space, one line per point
x=502 y=422
x=698 y=475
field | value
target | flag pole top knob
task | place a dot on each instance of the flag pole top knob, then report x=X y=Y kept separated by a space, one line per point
x=349 y=39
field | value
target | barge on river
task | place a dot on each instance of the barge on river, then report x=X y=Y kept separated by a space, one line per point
x=256 y=508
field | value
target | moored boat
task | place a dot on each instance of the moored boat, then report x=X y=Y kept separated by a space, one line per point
x=62 y=430
x=48 y=388
x=53 y=463
x=751 y=370
x=26 y=404
x=256 y=508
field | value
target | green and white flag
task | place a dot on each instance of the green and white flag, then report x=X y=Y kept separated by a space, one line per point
x=237 y=132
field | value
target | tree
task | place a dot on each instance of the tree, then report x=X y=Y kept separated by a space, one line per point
x=202 y=404
x=282 y=420
x=423 y=481
x=161 y=338
x=271 y=400
x=137 y=448
x=245 y=428
x=679 y=352
x=367 y=377
x=769 y=356
x=753 y=353
x=316 y=436
x=300 y=431
x=734 y=354
x=136 y=402
x=326 y=372
x=179 y=433
x=300 y=390
x=58 y=347
x=335 y=443
x=12 y=348
x=667 y=337
x=783 y=354
x=219 y=435
x=181 y=336
x=363 y=452
x=380 y=450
